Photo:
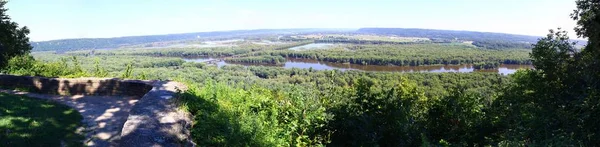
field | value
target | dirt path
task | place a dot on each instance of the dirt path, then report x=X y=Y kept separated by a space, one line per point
x=103 y=116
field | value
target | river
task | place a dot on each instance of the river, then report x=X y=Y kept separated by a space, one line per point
x=319 y=65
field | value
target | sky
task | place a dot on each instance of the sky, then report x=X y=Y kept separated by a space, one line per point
x=63 y=19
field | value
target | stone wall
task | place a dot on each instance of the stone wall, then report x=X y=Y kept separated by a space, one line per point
x=77 y=86
x=154 y=120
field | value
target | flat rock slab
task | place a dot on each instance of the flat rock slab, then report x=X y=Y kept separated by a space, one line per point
x=156 y=121
x=153 y=120
x=103 y=116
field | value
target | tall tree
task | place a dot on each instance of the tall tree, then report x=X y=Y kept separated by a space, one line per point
x=558 y=103
x=587 y=16
x=13 y=39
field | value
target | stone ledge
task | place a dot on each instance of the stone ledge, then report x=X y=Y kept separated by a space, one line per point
x=154 y=120
x=77 y=86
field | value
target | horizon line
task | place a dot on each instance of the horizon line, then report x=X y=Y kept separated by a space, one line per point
x=116 y=37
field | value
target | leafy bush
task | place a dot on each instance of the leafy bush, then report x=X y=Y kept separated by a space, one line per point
x=369 y=113
x=459 y=119
x=26 y=65
x=379 y=116
x=227 y=116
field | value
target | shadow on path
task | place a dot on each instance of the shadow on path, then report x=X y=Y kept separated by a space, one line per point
x=156 y=121
x=103 y=116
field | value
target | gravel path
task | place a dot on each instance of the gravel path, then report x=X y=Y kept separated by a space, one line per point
x=103 y=116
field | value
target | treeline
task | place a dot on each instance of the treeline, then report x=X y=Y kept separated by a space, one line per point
x=111 y=62
x=343 y=108
x=498 y=44
x=407 y=55
x=65 y=67
x=240 y=48
x=171 y=68
x=434 y=84
x=366 y=54
x=276 y=60
x=486 y=65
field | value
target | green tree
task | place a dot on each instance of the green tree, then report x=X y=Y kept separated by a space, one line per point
x=99 y=71
x=588 y=21
x=558 y=103
x=13 y=39
x=128 y=72
x=458 y=119
x=379 y=116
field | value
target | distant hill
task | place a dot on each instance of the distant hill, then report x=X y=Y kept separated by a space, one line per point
x=480 y=39
x=102 y=43
x=449 y=34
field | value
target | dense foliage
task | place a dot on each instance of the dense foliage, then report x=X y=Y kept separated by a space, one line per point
x=236 y=48
x=366 y=112
x=558 y=103
x=495 y=44
x=275 y=60
x=239 y=106
x=366 y=54
x=255 y=117
x=13 y=39
x=407 y=55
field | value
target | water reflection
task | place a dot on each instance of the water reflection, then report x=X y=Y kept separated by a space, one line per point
x=318 y=65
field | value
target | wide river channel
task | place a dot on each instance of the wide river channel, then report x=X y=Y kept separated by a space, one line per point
x=319 y=65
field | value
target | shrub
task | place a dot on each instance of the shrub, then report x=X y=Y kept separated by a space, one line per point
x=379 y=115
x=227 y=116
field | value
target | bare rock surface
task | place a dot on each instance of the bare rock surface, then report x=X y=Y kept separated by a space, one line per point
x=156 y=121
x=103 y=116
x=152 y=120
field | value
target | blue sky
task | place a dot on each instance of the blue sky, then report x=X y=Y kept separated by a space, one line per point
x=60 y=19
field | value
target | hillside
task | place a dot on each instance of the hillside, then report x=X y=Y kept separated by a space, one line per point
x=450 y=34
x=480 y=39
x=487 y=40
x=102 y=43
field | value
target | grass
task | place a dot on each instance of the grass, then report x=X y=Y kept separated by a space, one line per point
x=28 y=121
